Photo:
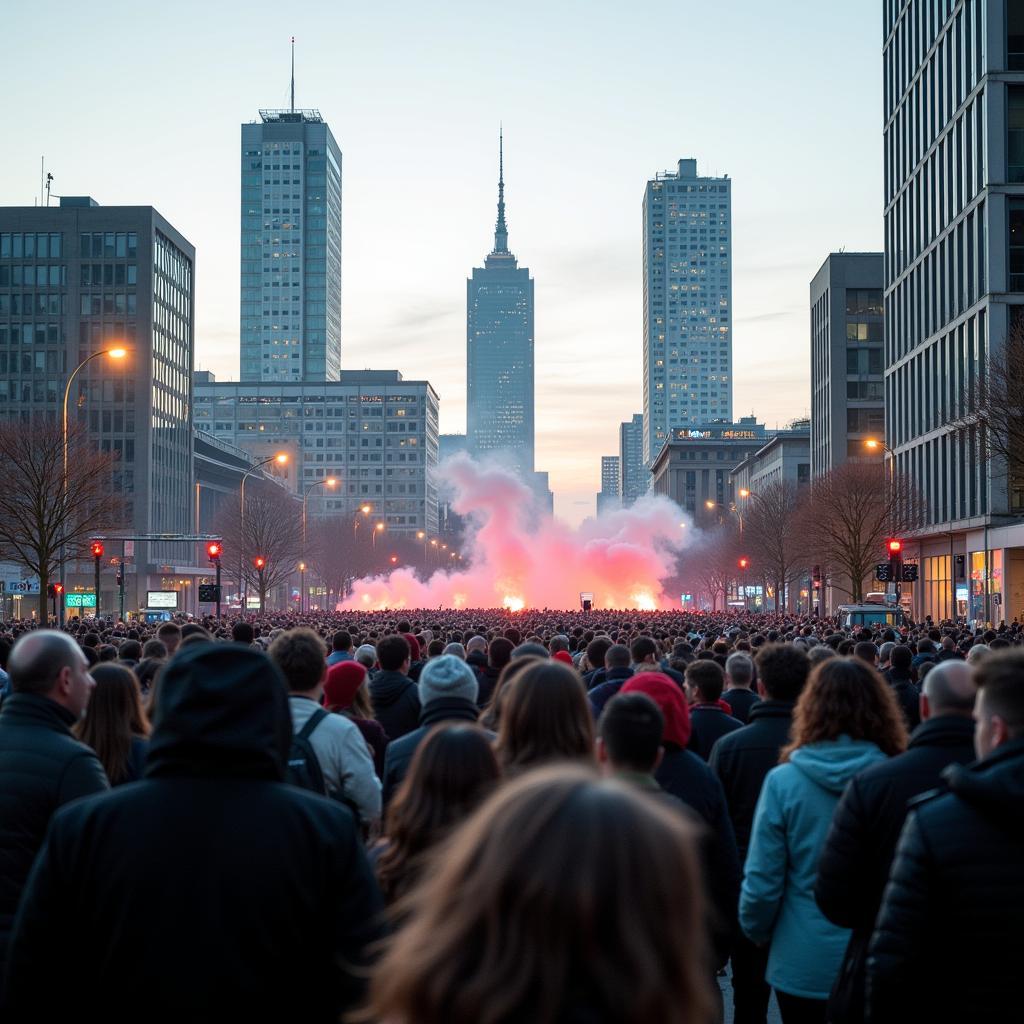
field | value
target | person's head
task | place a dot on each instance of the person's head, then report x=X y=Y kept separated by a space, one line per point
x=300 y=655
x=243 y=633
x=559 y=642
x=452 y=771
x=597 y=933
x=822 y=652
x=455 y=650
x=596 y=650
x=499 y=652
x=978 y=653
x=846 y=697
x=885 y=653
x=393 y=653
x=113 y=716
x=670 y=701
x=154 y=649
x=476 y=645
x=901 y=658
x=169 y=634
x=629 y=734
x=544 y=717
x=948 y=689
x=867 y=652
x=529 y=650
x=617 y=656
x=344 y=682
x=782 y=671
x=999 y=710
x=366 y=655
x=643 y=650
x=50 y=664
x=704 y=681
x=341 y=641
x=739 y=670
x=447 y=678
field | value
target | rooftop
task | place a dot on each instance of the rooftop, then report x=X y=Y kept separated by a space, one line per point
x=291 y=116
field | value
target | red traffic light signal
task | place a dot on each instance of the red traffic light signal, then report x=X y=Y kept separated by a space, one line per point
x=895 y=546
x=744 y=563
x=260 y=562
x=97 y=549
x=58 y=588
x=394 y=559
x=213 y=549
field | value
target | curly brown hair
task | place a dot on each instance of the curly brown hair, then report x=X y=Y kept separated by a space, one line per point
x=846 y=697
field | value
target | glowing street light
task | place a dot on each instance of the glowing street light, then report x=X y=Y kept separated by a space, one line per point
x=378 y=528
x=874 y=445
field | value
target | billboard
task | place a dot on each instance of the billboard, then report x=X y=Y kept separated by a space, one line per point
x=79 y=600
x=161 y=599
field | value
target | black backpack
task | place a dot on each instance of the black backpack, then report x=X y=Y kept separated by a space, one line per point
x=303 y=767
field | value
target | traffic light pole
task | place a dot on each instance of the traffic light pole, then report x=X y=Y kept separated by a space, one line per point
x=96 y=559
x=218 y=587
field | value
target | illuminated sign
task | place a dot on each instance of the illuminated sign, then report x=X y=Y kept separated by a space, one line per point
x=79 y=600
x=161 y=599
x=962 y=592
x=728 y=434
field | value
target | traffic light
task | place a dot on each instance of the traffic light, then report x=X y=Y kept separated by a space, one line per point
x=213 y=549
x=895 y=561
x=895 y=547
x=744 y=563
x=119 y=579
x=260 y=562
x=58 y=589
x=910 y=573
x=882 y=573
x=97 y=549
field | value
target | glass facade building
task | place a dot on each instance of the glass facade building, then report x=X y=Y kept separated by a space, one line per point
x=290 y=327
x=499 y=351
x=633 y=475
x=687 y=243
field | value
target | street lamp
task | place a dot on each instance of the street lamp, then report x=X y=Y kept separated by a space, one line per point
x=302 y=587
x=327 y=482
x=378 y=528
x=366 y=510
x=280 y=459
x=874 y=445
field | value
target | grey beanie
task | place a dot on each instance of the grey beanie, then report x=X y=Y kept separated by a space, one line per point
x=447 y=676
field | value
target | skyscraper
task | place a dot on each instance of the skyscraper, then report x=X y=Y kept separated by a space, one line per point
x=633 y=476
x=687 y=303
x=291 y=248
x=499 y=349
x=608 y=497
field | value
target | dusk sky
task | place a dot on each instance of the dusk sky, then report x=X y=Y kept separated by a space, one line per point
x=141 y=104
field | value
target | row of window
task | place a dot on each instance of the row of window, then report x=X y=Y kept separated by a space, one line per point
x=41 y=276
x=109 y=274
x=28 y=304
x=109 y=245
x=32 y=245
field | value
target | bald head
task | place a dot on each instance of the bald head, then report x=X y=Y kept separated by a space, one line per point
x=948 y=689
x=38 y=658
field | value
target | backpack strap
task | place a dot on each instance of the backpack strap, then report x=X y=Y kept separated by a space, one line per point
x=311 y=723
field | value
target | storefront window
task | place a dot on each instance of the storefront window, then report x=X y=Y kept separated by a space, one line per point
x=978 y=589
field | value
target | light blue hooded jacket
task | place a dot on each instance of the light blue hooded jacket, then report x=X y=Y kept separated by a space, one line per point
x=791 y=822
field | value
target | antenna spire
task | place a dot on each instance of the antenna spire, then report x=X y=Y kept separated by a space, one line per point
x=501 y=228
x=293 y=74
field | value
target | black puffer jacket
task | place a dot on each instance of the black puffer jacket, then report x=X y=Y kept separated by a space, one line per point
x=42 y=767
x=866 y=826
x=396 y=703
x=211 y=890
x=947 y=942
x=907 y=695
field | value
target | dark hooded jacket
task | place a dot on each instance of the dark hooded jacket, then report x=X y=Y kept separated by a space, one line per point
x=210 y=890
x=907 y=695
x=946 y=946
x=866 y=826
x=396 y=703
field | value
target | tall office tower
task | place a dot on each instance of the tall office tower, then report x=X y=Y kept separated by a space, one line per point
x=633 y=475
x=847 y=360
x=80 y=278
x=687 y=303
x=608 y=498
x=499 y=349
x=953 y=88
x=291 y=248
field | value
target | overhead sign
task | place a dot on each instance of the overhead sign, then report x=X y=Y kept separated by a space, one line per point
x=161 y=599
x=252 y=602
x=23 y=587
x=79 y=600
x=962 y=592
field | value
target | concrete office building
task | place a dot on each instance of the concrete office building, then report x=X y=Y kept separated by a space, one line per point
x=847 y=359
x=633 y=475
x=290 y=326
x=372 y=430
x=499 y=350
x=608 y=498
x=953 y=95
x=687 y=253
x=694 y=467
x=785 y=458
x=79 y=278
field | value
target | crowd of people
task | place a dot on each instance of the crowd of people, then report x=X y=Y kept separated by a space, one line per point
x=479 y=817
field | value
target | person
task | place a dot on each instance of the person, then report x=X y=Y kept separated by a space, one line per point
x=448 y=693
x=709 y=714
x=342 y=755
x=592 y=944
x=169 y=633
x=739 y=677
x=499 y=654
x=395 y=699
x=476 y=654
x=341 y=648
x=210 y=890
x=741 y=760
x=42 y=765
x=544 y=717
x=644 y=652
x=242 y=633
x=946 y=946
x=346 y=693
x=452 y=770
x=861 y=842
x=617 y=669
x=901 y=678
x=115 y=726
x=845 y=720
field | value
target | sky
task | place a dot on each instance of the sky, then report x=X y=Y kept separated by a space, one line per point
x=140 y=104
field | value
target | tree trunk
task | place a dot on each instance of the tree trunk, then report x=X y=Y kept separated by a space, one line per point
x=44 y=598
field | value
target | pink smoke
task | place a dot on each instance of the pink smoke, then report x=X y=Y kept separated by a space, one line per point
x=521 y=557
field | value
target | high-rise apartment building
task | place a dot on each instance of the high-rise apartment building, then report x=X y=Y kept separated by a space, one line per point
x=290 y=325
x=499 y=350
x=608 y=497
x=687 y=303
x=633 y=475
x=847 y=359
x=79 y=278
x=953 y=96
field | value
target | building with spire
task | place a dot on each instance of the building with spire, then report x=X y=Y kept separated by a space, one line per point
x=290 y=325
x=499 y=349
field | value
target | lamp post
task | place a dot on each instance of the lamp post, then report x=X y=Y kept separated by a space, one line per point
x=302 y=588
x=326 y=482
x=114 y=353
x=365 y=509
x=874 y=445
x=421 y=535
x=378 y=528
x=280 y=458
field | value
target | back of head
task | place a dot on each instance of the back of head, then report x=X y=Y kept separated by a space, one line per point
x=37 y=659
x=631 y=856
x=901 y=658
x=1000 y=680
x=596 y=650
x=630 y=729
x=617 y=656
x=782 y=670
x=301 y=658
x=129 y=650
x=476 y=643
x=559 y=642
x=978 y=653
x=950 y=689
x=341 y=641
x=366 y=655
x=243 y=633
x=113 y=716
x=885 y=652
x=866 y=651
x=641 y=648
x=706 y=678
x=499 y=652
x=456 y=650
x=447 y=677
x=740 y=669
x=169 y=633
x=393 y=652
x=154 y=649
x=529 y=650
x=671 y=702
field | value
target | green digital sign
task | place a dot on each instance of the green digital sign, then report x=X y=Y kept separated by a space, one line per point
x=79 y=600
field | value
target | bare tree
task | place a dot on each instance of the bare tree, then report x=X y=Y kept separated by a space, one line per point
x=713 y=563
x=271 y=531
x=846 y=515
x=35 y=519
x=772 y=536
